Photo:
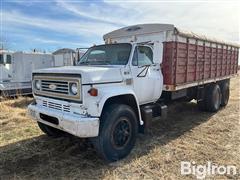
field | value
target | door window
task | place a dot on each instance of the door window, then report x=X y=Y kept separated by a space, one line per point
x=142 y=56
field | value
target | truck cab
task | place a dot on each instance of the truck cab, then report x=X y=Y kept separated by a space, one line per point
x=105 y=90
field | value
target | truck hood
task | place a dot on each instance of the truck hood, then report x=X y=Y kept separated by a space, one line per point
x=89 y=74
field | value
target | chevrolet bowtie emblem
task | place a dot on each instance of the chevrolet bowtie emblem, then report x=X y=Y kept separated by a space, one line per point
x=52 y=86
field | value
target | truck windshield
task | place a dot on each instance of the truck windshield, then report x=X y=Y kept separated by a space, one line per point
x=108 y=54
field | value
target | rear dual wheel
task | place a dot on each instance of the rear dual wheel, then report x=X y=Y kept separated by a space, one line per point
x=214 y=96
x=225 y=91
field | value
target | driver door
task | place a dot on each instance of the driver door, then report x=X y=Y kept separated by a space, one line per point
x=146 y=75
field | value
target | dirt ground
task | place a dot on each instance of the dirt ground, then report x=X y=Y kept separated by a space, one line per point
x=186 y=135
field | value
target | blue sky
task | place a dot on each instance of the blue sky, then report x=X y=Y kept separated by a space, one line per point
x=49 y=25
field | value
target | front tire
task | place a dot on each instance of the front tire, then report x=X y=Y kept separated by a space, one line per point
x=118 y=131
x=50 y=131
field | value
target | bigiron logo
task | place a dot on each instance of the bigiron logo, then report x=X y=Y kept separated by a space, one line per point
x=208 y=169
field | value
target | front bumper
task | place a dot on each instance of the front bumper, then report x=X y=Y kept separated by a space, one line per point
x=78 y=125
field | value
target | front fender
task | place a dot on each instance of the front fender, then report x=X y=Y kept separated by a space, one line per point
x=108 y=92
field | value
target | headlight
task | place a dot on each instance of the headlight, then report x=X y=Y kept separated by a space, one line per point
x=37 y=84
x=74 y=88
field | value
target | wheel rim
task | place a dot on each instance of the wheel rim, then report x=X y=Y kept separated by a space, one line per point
x=121 y=133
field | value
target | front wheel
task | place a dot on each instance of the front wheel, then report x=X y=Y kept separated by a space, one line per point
x=118 y=131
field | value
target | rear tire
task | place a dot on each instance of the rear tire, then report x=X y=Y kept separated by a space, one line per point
x=50 y=131
x=225 y=93
x=203 y=100
x=213 y=98
x=117 y=133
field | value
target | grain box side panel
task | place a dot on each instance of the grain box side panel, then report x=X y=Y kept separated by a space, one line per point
x=167 y=63
x=186 y=63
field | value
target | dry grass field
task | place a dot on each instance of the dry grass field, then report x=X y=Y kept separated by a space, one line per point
x=186 y=135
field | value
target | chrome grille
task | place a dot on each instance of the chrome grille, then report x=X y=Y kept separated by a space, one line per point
x=61 y=86
x=56 y=106
x=58 y=86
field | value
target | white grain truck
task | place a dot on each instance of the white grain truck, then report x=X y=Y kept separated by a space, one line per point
x=118 y=88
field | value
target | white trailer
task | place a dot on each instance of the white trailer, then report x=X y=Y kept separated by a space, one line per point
x=64 y=57
x=67 y=57
x=16 y=70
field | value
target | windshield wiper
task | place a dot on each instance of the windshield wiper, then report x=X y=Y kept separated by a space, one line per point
x=100 y=63
x=84 y=62
x=104 y=62
x=95 y=63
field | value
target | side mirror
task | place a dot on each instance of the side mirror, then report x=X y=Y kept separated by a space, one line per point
x=157 y=52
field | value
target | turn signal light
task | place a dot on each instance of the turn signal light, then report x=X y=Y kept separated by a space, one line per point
x=93 y=92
